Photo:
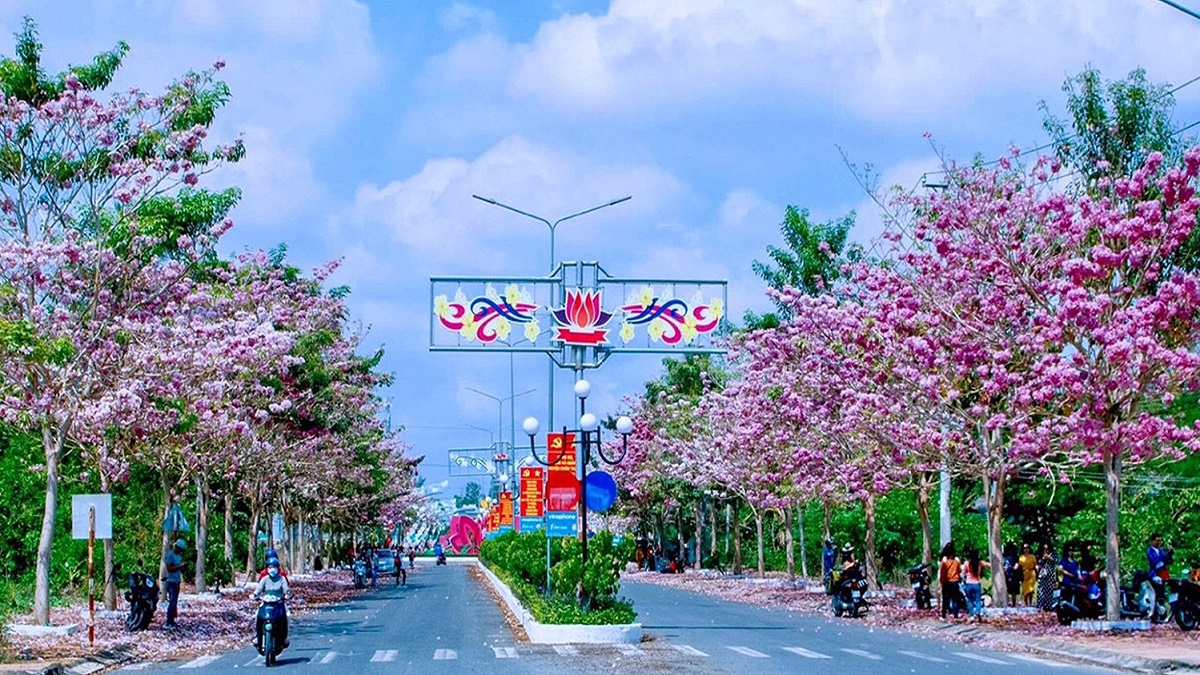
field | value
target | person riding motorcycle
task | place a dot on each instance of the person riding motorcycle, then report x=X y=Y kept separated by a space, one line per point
x=274 y=584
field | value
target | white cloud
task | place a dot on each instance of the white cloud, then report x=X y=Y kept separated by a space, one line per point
x=461 y=16
x=880 y=58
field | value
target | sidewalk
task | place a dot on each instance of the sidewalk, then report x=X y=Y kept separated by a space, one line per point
x=1163 y=649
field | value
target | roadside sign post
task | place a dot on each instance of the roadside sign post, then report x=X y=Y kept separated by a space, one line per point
x=91 y=519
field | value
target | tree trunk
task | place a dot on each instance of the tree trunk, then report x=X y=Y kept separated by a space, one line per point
x=994 y=491
x=923 y=511
x=252 y=540
x=167 y=537
x=699 y=513
x=201 y=532
x=790 y=542
x=680 y=541
x=1112 y=561
x=736 y=526
x=110 y=581
x=758 y=531
x=52 y=445
x=828 y=515
x=871 y=564
x=803 y=551
x=229 y=529
x=712 y=529
x=302 y=555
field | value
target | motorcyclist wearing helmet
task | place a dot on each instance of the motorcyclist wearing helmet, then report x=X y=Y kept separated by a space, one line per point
x=272 y=556
x=849 y=562
x=275 y=584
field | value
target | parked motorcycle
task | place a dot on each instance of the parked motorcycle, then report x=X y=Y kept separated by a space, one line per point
x=850 y=594
x=1080 y=599
x=271 y=622
x=918 y=577
x=1187 y=605
x=142 y=597
x=1149 y=597
x=360 y=573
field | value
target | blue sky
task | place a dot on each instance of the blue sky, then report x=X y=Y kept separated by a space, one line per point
x=369 y=125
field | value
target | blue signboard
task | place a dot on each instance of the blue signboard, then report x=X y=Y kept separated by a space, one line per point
x=561 y=524
x=601 y=491
x=532 y=524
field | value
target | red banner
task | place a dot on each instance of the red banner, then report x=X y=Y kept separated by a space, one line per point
x=506 y=509
x=562 y=487
x=531 y=492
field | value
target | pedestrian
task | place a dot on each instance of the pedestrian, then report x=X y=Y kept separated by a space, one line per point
x=398 y=563
x=412 y=558
x=1012 y=574
x=1159 y=558
x=1047 y=578
x=174 y=564
x=372 y=569
x=1027 y=566
x=973 y=584
x=828 y=556
x=949 y=577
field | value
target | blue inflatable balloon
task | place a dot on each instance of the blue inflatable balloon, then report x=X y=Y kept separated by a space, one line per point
x=601 y=491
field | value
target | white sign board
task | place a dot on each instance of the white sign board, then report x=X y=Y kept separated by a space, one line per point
x=80 y=504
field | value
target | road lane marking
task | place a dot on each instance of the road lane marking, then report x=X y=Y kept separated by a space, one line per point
x=864 y=654
x=505 y=652
x=808 y=654
x=566 y=650
x=689 y=650
x=329 y=657
x=629 y=650
x=384 y=655
x=445 y=655
x=1039 y=661
x=746 y=651
x=200 y=662
x=985 y=659
x=923 y=657
x=254 y=662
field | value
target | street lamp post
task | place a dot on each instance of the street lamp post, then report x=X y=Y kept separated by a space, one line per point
x=590 y=434
x=553 y=263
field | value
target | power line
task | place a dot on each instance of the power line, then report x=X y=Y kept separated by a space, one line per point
x=1181 y=8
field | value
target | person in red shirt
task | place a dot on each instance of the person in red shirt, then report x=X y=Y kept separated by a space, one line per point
x=272 y=556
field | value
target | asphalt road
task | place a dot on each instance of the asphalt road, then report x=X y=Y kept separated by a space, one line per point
x=447 y=622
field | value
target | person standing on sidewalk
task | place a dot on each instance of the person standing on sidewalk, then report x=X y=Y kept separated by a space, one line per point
x=973 y=587
x=1047 y=578
x=1027 y=564
x=174 y=564
x=950 y=576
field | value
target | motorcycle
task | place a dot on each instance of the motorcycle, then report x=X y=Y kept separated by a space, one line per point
x=360 y=574
x=849 y=597
x=1187 y=605
x=441 y=558
x=1080 y=599
x=142 y=597
x=1149 y=597
x=271 y=622
x=918 y=577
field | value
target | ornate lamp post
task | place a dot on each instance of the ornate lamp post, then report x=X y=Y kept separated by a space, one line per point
x=590 y=435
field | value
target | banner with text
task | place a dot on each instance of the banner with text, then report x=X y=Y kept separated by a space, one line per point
x=562 y=487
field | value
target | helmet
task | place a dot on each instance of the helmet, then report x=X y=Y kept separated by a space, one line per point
x=848 y=548
x=272 y=554
x=180 y=544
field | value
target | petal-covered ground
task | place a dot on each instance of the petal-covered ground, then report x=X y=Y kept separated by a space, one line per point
x=775 y=591
x=207 y=624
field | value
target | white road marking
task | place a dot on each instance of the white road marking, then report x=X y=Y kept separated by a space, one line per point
x=985 y=659
x=808 y=654
x=384 y=655
x=864 y=654
x=1034 y=659
x=445 y=655
x=254 y=662
x=566 y=650
x=141 y=665
x=746 y=651
x=329 y=657
x=629 y=650
x=200 y=662
x=505 y=652
x=689 y=650
x=923 y=657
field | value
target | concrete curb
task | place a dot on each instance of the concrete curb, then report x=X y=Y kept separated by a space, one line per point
x=86 y=666
x=1083 y=655
x=544 y=633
